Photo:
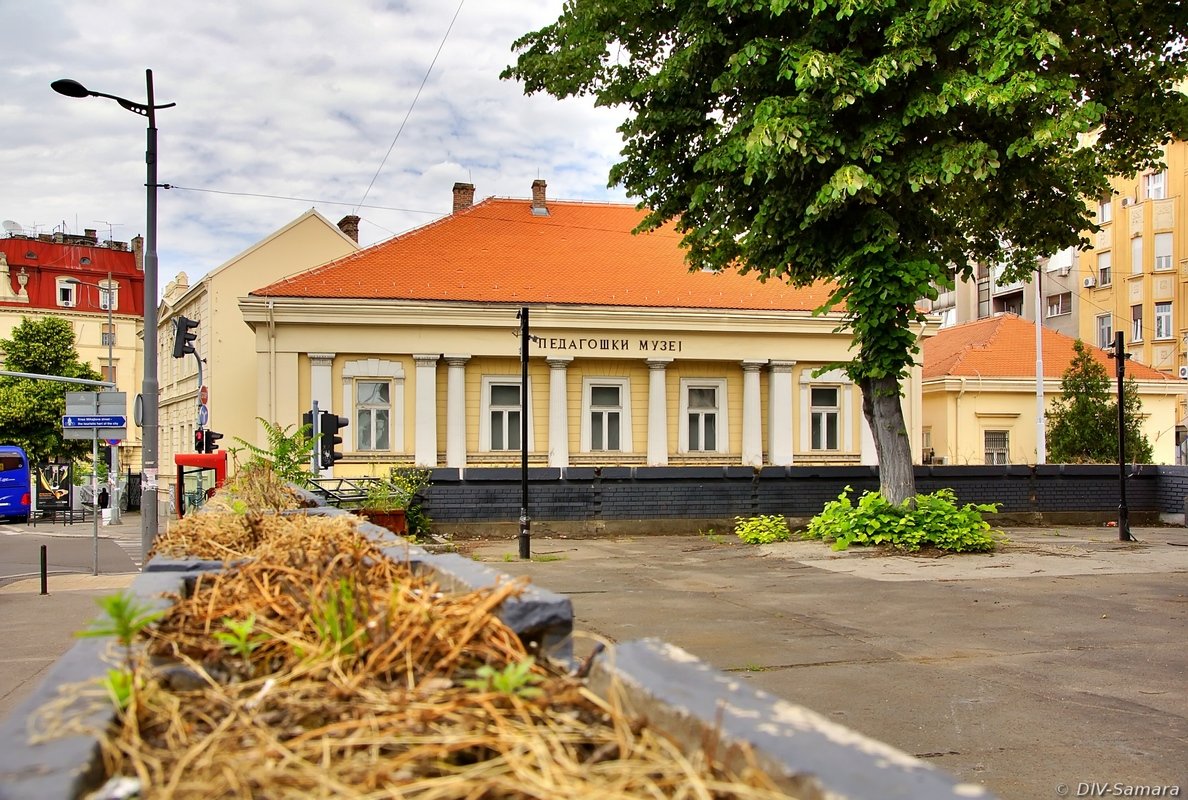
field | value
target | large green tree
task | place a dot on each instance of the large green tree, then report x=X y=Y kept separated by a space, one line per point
x=31 y=409
x=884 y=145
x=1083 y=422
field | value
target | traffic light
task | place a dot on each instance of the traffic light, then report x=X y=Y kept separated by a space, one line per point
x=211 y=441
x=200 y=441
x=183 y=339
x=331 y=424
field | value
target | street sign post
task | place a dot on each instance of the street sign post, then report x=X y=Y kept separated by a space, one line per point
x=95 y=416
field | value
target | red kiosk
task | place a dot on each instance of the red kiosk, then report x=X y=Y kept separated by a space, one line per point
x=199 y=475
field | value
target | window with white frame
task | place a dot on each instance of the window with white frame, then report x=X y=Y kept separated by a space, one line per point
x=703 y=416
x=1156 y=185
x=67 y=293
x=1105 y=210
x=997 y=446
x=109 y=295
x=1105 y=330
x=503 y=415
x=1136 y=323
x=824 y=413
x=1136 y=255
x=1105 y=262
x=1163 y=251
x=373 y=415
x=108 y=335
x=1060 y=304
x=606 y=415
x=1163 y=320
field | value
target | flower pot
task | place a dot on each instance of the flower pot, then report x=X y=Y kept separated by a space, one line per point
x=393 y=519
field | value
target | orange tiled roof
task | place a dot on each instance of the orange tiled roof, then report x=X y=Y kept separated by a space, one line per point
x=581 y=253
x=1004 y=347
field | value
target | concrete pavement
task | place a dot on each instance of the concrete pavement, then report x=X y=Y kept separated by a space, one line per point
x=1058 y=661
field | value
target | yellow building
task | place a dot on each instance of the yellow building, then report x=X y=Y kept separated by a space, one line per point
x=225 y=344
x=98 y=288
x=980 y=399
x=633 y=359
x=1135 y=277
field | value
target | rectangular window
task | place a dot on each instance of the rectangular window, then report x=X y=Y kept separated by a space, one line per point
x=108 y=373
x=373 y=415
x=1060 y=304
x=1163 y=320
x=997 y=444
x=1136 y=323
x=108 y=334
x=824 y=411
x=1104 y=263
x=505 y=409
x=1105 y=210
x=703 y=418
x=1136 y=255
x=66 y=294
x=1156 y=184
x=1163 y=251
x=606 y=414
x=109 y=296
x=1105 y=331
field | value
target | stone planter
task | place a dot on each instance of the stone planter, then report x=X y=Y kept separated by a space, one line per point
x=810 y=756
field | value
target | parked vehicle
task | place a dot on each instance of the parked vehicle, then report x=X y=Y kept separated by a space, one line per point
x=14 y=483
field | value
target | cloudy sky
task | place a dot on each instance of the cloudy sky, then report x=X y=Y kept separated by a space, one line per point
x=282 y=105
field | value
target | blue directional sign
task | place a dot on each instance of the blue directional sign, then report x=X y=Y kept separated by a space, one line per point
x=94 y=421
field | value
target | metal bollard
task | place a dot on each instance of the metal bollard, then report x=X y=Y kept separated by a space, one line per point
x=44 y=572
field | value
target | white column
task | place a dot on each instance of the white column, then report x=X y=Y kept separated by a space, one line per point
x=425 y=436
x=456 y=411
x=752 y=410
x=320 y=387
x=657 y=413
x=558 y=412
x=779 y=412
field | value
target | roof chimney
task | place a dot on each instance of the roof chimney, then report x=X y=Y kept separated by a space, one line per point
x=350 y=226
x=463 y=196
x=540 y=208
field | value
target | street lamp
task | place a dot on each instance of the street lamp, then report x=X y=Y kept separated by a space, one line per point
x=149 y=386
x=113 y=475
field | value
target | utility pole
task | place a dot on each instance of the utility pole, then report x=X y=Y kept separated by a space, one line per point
x=1120 y=355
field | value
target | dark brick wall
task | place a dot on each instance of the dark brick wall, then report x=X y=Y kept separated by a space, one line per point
x=619 y=493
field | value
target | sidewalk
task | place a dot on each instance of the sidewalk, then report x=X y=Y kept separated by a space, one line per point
x=1059 y=660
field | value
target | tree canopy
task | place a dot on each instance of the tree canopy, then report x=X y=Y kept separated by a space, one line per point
x=1083 y=422
x=31 y=409
x=884 y=145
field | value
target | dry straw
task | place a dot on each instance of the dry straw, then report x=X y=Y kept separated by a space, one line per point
x=319 y=668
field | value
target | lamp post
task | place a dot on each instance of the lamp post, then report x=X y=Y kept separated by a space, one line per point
x=149 y=385
x=113 y=474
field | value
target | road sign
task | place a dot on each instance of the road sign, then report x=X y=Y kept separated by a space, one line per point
x=203 y=396
x=203 y=416
x=94 y=421
x=90 y=415
x=114 y=442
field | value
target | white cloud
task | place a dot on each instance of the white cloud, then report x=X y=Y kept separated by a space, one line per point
x=291 y=98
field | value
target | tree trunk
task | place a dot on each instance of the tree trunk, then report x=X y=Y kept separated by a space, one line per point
x=884 y=413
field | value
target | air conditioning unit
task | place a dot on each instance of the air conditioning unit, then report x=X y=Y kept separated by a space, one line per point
x=1062 y=272
x=1089 y=282
x=1184 y=372
x=1127 y=201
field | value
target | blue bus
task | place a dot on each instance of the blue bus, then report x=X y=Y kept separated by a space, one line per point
x=14 y=483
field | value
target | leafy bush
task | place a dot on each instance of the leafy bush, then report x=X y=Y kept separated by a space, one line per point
x=936 y=521
x=763 y=529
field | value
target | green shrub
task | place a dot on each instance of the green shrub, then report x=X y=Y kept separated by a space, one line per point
x=763 y=529
x=936 y=521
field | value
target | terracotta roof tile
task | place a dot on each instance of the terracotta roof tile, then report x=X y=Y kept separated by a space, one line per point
x=580 y=253
x=1004 y=347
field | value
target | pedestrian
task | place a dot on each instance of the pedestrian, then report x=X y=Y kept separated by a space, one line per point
x=103 y=498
